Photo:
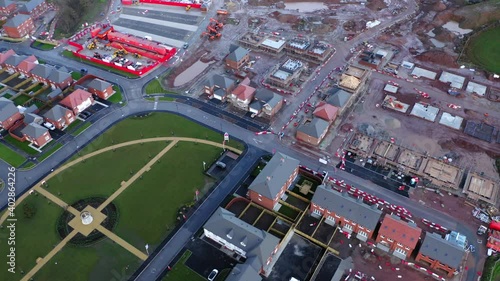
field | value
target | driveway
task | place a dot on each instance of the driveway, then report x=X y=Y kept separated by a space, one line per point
x=206 y=257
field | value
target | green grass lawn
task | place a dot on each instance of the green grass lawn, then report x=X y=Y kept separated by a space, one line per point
x=29 y=165
x=49 y=152
x=7 y=96
x=81 y=129
x=76 y=74
x=70 y=55
x=73 y=125
x=10 y=156
x=35 y=236
x=102 y=174
x=167 y=186
x=21 y=99
x=117 y=96
x=24 y=146
x=160 y=99
x=43 y=46
x=484 y=49
x=154 y=87
x=288 y=212
x=155 y=125
x=491 y=270
x=180 y=272
x=105 y=260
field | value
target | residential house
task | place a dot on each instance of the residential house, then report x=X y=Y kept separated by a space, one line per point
x=351 y=214
x=9 y=113
x=440 y=253
x=60 y=78
x=78 y=101
x=12 y=62
x=286 y=74
x=267 y=102
x=7 y=7
x=5 y=55
x=257 y=246
x=219 y=87
x=272 y=182
x=19 y=26
x=339 y=98
x=30 y=117
x=102 y=89
x=56 y=93
x=326 y=112
x=237 y=57
x=36 y=134
x=312 y=131
x=27 y=65
x=34 y=8
x=59 y=116
x=41 y=73
x=398 y=237
x=242 y=95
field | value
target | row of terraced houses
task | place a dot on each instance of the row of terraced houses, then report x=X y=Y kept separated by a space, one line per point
x=390 y=233
x=21 y=23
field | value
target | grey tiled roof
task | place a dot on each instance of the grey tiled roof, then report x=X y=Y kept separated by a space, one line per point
x=56 y=92
x=42 y=70
x=274 y=175
x=243 y=272
x=220 y=81
x=437 y=248
x=27 y=7
x=34 y=130
x=14 y=60
x=238 y=54
x=315 y=128
x=58 y=76
x=32 y=118
x=259 y=244
x=338 y=97
x=257 y=105
x=5 y=3
x=55 y=113
x=99 y=84
x=347 y=207
x=7 y=109
x=16 y=21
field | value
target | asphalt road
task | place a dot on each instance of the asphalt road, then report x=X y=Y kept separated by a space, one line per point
x=155 y=29
x=135 y=104
x=161 y=15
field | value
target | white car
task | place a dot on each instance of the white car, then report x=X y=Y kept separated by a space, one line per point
x=212 y=275
x=49 y=126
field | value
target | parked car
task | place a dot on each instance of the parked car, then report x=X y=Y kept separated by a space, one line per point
x=49 y=126
x=85 y=114
x=212 y=275
x=185 y=46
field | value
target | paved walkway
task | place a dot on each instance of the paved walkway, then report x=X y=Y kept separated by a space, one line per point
x=122 y=242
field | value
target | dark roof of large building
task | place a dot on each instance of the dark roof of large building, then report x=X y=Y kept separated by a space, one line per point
x=27 y=7
x=238 y=54
x=16 y=20
x=58 y=76
x=220 y=81
x=7 y=109
x=400 y=231
x=42 y=70
x=315 y=128
x=34 y=130
x=274 y=175
x=99 y=84
x=55 y=113
x=258 y=243
x=338 y=97
x=346 y=206
x=437 y=248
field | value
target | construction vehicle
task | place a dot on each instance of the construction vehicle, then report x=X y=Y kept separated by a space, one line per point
x=216 y=24
x=136 y=55
x=188 y=7
x=222 y=12
x=92 y=45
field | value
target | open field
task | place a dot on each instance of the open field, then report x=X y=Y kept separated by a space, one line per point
x=484 y=49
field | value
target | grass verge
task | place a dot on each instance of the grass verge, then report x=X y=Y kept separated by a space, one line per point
x=49 y=152
x=181 y=272
x=24 y=146
x=43 y=46
x=81 y=129
x=10 y=156
x=117 y=96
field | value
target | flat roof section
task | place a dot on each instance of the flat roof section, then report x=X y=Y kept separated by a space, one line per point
x=476 y=88
x=391 y=88
x=420 y=72
x=456 y=81
x=452 y=121
x=410 y=159
x=442 y=171
x=274 y=44
x=153 y=29
x=481 y=188
x=426 y=112
x=355 y=71
x=280 y=74
x=387 y=150
x=392 y=103
x=361 y=142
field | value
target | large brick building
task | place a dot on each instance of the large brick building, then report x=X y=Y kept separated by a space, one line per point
x=440 y=253
x=272 y=182
x=398 y=237
x=352 y=215
x=19 y=26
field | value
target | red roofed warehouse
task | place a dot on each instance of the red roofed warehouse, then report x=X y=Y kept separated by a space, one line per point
x=397 y=237
x=78 y=101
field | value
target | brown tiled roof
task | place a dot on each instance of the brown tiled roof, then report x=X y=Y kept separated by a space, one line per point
x=76 y=98
x=244 y=92
x=326 y=111
x=400 y=231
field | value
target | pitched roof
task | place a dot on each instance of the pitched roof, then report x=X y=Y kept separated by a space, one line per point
x=339 y=98
x=326 y=111
x=256 y=105
x=315 y=128
x=14 y=60
x=347 y=207
x=32 y=118
x=7 y=109
x=243 y=272
x=27 y=7
x=16 y=20
x=41 y=70
x=6 y=3
x=76 y=98
x=220 y=81
x=396 y=229
x=437 y=248
x=27 y=65
x=264 y=95
x=99 y=84
x=6 y=54
x=258 y=243
x=55 y=113
x=58 y=76
x=349 y=81
x=274 y=175
x=34 y=130
x=56 y=92
x=238 y=54
x=244 y=92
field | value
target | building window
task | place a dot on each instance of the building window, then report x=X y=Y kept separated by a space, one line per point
x=348 y=226
x=330 y=218
x=362 y=233
x=401 y=251
x=316 y=211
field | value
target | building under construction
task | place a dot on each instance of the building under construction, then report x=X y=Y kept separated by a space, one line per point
x=316 y=52
x=285 y=75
